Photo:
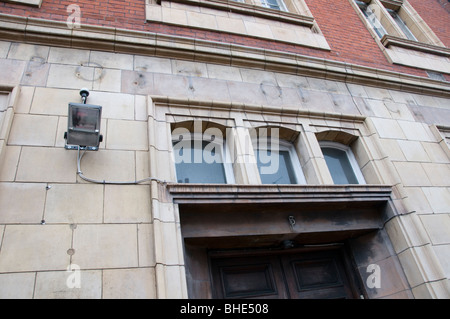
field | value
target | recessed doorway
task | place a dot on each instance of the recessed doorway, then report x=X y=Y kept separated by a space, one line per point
x=322 y=274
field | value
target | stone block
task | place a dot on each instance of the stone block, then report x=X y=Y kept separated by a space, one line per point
x=74 y=203
x=137 y=283
x=35 y=248
x=232 y=25
x=108 y=80
x=171 y=15
x=140 y=108
x=17 y=285
x=70 y=77
x=201 y=20
x=146 y=245
x=142 y=165
x=438 y=174
x=33 y=130
x=223 y=72
x=433 y=290
x=4 y=49
x=127 y=204
x=416 y=131
x=246 y=93
x=24 y=100
x=258 y=30
x=416 y=200
x=35 y=74
x=405 y=231
x=435 y=152
x=439 y=198
x=105 y=246
x=60 y=284
x=188 y=68
x=9 y=159
x=112 y=166
x=443 y=254
x=114 y=105
x=412 y=174
x=28 y=52
x=152 y=64
x=388 y=128
x=127 y=135
x=420 y=265
x=41 y=164
x=437 y=227
x=413 y=151
x=174 y=281
x=21 y=203
x=391 y=149
x=68 y=56
x=111 y=60
x=138 y=82
x=167 y=249
x=49 y=101
x=12 y=71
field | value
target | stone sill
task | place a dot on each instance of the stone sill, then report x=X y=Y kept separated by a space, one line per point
x=392 y=4
x=33 y=3
x=224 y=193
x=250 y=10
x=389 y=40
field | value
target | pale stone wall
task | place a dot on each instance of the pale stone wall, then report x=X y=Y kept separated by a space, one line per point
x=104 y=229
x=126 y=238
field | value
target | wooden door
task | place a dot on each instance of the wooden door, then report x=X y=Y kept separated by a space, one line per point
x=312 y=275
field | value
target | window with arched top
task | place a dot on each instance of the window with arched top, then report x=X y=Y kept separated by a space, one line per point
x=341 y=163
x=201 y=155
x=276 y=157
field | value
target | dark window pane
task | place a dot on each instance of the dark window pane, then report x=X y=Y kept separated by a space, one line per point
x=197 y=165
x=275 y=167
x=339 y=166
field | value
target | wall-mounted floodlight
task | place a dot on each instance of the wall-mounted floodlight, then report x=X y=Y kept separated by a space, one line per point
x=83 y=128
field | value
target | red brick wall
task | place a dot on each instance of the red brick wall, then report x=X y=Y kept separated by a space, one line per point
x=346 y=34
x=436 y=14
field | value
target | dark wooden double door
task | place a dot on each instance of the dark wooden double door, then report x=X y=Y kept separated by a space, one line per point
x=302 y=275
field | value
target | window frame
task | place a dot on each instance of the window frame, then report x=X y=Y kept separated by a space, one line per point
x=401 y=24
x=282 y=6
x=372 y=17
x=425 y=41
x=351 y=158
x=284 y=145
x=224 y=154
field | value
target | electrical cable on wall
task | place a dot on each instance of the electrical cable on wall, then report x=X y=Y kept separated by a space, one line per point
x=80 y=173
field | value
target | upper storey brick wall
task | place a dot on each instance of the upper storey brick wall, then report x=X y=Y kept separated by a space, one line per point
x=348 y=38
x=437 y=15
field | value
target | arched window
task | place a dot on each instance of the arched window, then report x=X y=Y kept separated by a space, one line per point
x=341 y=163
x=277 y=158
x=201 y=157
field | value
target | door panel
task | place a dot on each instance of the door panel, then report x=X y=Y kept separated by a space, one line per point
x=316 y=275
x=248 y=277
x=281 y=275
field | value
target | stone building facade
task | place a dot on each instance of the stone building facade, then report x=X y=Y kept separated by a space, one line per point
x=340 y=77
